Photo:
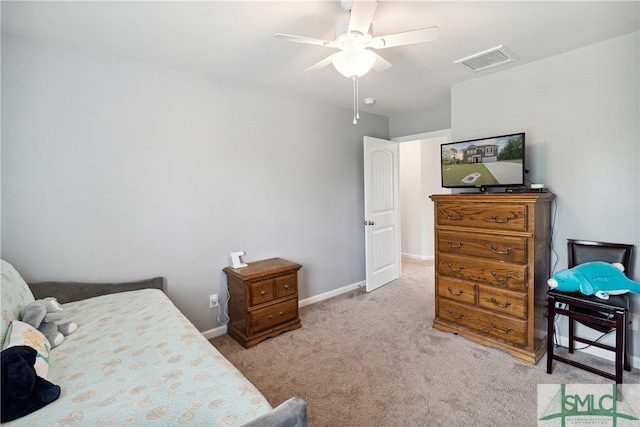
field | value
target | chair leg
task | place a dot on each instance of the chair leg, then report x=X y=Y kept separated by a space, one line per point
x=625 y=332
x=620 y=345
x=571 y=331
x=551 y=314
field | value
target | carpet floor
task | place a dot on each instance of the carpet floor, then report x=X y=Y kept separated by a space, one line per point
x=373 y=359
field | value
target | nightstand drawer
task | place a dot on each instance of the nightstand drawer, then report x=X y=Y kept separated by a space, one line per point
x=261 y=291
x=502 y=301
x=512 y=217
x=458 y=290
x=286 y=285
x=501 y=327
x=501 y=248
x=273 y=315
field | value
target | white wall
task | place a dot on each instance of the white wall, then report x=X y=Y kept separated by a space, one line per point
x=580 y=112
x=420 y=178
x=115 y=170
x=410 y=167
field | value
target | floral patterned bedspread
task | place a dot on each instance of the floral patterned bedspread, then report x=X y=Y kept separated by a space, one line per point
x=136 y=360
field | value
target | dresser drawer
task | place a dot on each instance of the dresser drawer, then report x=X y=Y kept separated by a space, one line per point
x=503 y=301
x=261 y=291
x=458 y=290
x=511 y=217
x=502 y=248
x=286 y=285
x=501 y=327
x=273 y=315
x=508 y=276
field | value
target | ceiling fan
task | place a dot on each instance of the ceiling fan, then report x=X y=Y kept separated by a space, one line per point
x=355 y=41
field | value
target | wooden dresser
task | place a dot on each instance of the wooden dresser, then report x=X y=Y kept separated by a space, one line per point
x=263 y=300
x=491 y=269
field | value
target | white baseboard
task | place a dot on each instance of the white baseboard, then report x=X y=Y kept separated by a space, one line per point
x=595 y=351
x=331 y=294
x=418 y=257
x=221 y=330
x=215 y=332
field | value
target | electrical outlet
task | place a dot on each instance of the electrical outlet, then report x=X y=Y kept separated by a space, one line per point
x=213 y=301
x=635 y=321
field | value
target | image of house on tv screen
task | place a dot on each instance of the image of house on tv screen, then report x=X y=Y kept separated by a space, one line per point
x=496 y=161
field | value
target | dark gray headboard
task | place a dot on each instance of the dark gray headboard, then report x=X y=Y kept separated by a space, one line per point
x=75 y=291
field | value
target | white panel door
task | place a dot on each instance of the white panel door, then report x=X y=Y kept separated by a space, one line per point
x=382 y=212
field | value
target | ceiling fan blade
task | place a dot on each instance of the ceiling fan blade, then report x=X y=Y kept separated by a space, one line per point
x=381 y=64
x=307 y=40
x=408 y=37
x=326 y=61
x=362 y=12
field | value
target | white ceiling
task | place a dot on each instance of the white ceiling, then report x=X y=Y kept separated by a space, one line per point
x=232 y=40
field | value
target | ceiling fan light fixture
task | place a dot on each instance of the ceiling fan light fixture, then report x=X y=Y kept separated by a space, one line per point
x=353 y=62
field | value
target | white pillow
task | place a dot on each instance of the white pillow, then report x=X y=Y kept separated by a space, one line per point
x=20 y=333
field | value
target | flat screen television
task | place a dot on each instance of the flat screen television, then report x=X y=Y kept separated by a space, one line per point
x=497 y=161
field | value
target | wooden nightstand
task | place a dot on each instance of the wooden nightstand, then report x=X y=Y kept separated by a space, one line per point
x=263 y=300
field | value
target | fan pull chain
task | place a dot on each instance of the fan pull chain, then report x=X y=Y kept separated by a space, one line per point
x=357 y=98
x=355 y=119
x=356 y=104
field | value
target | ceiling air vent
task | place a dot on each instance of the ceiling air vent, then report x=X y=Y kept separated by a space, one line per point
x=489 y=58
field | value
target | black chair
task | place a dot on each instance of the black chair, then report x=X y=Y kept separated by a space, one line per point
x=602 y=315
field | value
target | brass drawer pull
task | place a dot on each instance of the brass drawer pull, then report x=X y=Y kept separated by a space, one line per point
x=263 y=292
x=506 y=276
x=495 y=219
x=459 y=245
x=506 y=331
x=505 y=305
x=280 y=313
x=505 y=252
x=458 y=317
x=451 y=267
x=457 y=294
x=455 y=219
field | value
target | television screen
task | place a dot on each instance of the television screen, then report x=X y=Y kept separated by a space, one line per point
x=497 y=161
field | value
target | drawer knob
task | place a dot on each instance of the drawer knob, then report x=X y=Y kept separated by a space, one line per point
x=452 y=218
x=271 y=316
x=459 y=245
x=504 y=221
x=505 y=305
x=505 y=252
x=281 y=313
x=451 y=267
x=457 y=294
x=457 y=317
x=506 y=277
x=505 y=331
x=286 y=286
x=263 y=292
